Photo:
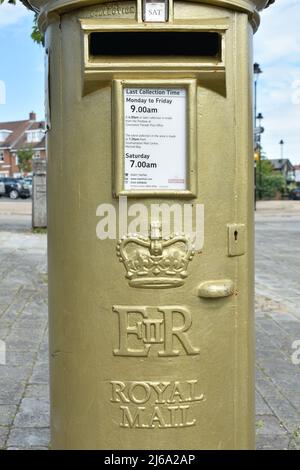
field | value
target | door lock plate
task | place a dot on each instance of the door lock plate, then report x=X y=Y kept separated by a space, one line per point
x=236 y=239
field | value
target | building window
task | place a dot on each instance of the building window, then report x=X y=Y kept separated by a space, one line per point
x=1 y=156
x=4 y=134
x=35 y=136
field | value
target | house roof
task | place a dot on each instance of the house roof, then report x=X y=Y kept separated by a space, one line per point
x=17 y=128
x=17 y=138
x=22 y=143
x=279 y=163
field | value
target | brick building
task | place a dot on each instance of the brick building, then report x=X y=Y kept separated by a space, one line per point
x=17 y=135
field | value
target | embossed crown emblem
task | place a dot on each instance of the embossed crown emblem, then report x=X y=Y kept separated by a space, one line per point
x=155 y=262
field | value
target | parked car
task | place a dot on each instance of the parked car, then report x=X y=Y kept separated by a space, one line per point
x=15 y=188
x=295 y=194
x=28 y=181
x=2 y=189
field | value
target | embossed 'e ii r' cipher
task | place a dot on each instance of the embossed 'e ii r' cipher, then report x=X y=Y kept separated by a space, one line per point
x=164 y=331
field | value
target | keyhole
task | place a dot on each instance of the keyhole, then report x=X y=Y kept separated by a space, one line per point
x=235 y=235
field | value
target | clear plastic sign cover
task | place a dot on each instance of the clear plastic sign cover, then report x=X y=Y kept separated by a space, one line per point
x=155 y=134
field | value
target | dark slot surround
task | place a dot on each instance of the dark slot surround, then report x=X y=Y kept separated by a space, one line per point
x=163 y=43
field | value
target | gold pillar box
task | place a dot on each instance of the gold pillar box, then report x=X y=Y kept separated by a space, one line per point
x=149 y=118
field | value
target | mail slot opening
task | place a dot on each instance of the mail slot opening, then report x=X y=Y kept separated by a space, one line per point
x=163 y=43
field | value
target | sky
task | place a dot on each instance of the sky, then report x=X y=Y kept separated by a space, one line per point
x=21 y=65
x=276 y=49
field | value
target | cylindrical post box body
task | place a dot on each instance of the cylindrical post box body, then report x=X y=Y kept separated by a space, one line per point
x=151 y=336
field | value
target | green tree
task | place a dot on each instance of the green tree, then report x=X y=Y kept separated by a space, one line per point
x=267 y=181
x=35 y=34
x=25 y=160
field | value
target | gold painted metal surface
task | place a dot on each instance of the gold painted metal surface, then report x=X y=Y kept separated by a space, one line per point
x=48 y=8
x=149 y=367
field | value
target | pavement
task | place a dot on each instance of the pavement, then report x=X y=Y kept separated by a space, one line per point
x=15 y=215
x=277 y=288
x=24 y=398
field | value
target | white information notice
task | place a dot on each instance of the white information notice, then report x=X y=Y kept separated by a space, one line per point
x=155 y=138
x=155 y=12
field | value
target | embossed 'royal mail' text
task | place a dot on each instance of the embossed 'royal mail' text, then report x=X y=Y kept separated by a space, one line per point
x=151 y=404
